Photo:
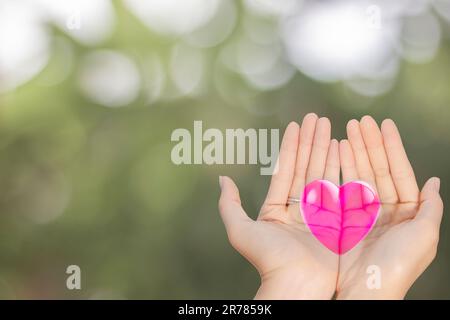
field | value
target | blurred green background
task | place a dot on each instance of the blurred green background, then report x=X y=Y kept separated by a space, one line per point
x=85 y=171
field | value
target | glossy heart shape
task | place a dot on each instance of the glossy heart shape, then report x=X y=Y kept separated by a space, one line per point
x=339 y=217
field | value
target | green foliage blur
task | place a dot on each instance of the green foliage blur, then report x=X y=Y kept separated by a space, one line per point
x=84 y=184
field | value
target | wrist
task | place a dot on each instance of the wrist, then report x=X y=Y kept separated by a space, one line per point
x=291 y=285
x=364 y=293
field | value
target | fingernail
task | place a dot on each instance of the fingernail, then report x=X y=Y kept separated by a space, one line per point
x=220 y=182
x=437 y=183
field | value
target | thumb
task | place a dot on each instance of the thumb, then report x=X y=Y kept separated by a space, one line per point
x=431 y=205
x=231 y=211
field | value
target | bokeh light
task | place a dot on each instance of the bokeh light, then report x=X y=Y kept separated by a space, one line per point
x=24 y=49
x=172 y=16
x=336 y=41
x=109 y=78
x=89 y=21
x=187 y=68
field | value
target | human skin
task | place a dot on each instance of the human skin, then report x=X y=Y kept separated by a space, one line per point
x=404 y=240
x=291 y=262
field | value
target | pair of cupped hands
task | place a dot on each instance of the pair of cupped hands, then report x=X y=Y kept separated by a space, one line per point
x=292 y=263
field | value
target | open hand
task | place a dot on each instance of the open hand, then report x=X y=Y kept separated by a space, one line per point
x=404 y=240
x=291 y=262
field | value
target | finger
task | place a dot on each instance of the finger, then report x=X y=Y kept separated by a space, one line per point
x=362 y=162
x=319 y=151
x=282 y=180
x=304 y=151
x=431 y=206
x=231 y=211
x=347 y=161
x=377 y=156
x=332 y=165
x=401 y=171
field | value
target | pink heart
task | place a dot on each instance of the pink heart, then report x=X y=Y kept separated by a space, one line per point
x=339 y=217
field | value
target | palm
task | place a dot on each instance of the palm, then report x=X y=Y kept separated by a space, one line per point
x=279 y=239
